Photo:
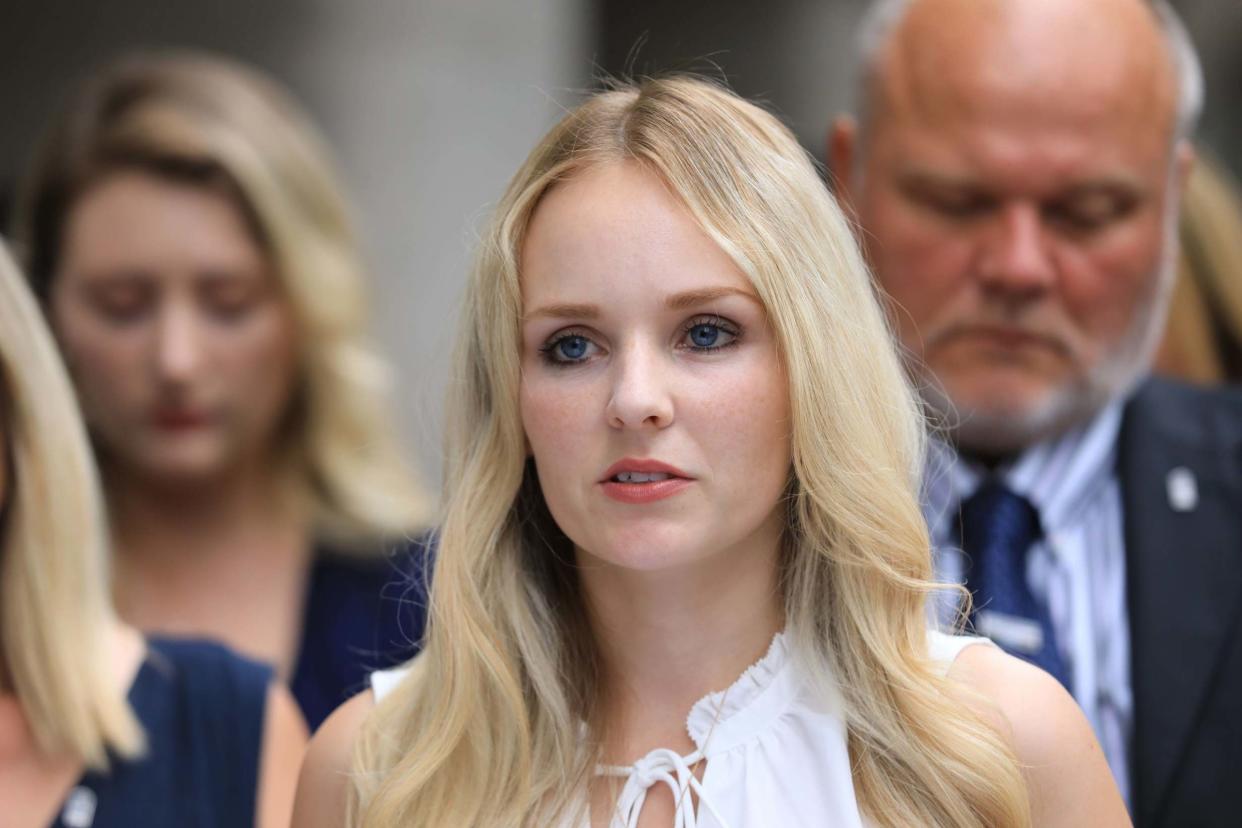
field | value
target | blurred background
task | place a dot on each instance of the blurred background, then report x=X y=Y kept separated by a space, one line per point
x=431 y=105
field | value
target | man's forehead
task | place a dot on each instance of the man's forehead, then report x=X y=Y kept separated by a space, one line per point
x=1018 y=155
x=1085 y=65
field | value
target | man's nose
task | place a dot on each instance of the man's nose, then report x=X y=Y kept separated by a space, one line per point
x=641 y=396
x=1014 y=256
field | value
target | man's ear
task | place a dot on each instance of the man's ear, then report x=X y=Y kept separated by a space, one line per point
x=841 y=147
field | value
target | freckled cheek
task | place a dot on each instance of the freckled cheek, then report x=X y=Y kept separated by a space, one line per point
x=560 y=421
x=742 y=422
x=771 y=448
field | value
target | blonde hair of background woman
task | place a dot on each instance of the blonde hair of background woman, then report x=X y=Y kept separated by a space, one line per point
x=485 y=728
x=56 y=621
x=206 y=121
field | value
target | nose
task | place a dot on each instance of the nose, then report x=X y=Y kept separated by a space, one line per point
x=1015 y=257
x=641 y=395
x=178 y=343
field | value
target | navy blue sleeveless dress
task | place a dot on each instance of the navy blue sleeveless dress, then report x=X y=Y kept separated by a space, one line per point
x=202 y=708
x=362 y=614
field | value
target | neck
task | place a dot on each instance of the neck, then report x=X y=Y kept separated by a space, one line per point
x=227 y=559
x=667 y=639
x=225 y=515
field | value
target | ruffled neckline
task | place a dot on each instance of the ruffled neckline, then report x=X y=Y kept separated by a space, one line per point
x=722 y=720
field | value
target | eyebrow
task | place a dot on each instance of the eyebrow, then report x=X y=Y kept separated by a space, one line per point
x=1104 y=183
x=678 y=301
x=693 y=298
x=915 y=175
x=564 y=311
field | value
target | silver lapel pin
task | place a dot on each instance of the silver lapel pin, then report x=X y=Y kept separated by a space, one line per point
x=1183 y=489
x=79 y=811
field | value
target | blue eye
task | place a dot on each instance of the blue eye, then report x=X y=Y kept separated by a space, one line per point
x=709 y=334
x=571 y=347
x=704 y=336
x=568 y=349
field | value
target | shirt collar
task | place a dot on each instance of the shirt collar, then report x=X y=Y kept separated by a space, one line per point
x=1058 y=475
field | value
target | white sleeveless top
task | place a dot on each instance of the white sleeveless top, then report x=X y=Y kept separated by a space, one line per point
x=775 y=754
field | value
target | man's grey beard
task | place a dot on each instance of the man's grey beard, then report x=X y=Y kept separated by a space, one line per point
x=1001 y=431
x=997 y=431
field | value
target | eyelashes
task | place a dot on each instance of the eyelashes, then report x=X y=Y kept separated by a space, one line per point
x=567 y=348
x=705 y=333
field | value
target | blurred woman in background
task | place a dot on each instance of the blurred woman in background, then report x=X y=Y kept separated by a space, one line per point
x=186 y=237
x=682 y=572
x=100 y=728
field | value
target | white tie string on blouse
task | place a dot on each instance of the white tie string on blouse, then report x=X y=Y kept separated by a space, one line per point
x=661 y=765
x=776 y=754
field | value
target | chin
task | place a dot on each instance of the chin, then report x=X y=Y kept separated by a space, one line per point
x=1010 y=417
x=997 y=410
x=181 y=465
x=643 y=548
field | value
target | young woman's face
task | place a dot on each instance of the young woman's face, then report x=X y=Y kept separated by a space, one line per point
x=178 y=337
x=652 y=395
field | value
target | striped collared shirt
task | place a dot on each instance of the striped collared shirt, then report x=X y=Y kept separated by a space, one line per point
x=1078 y=568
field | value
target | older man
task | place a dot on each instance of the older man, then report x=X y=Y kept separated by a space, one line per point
x=1016 y=169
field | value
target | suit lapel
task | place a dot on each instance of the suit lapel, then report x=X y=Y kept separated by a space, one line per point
x=1182 y=579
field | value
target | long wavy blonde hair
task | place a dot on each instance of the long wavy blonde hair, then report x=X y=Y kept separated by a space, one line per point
x=56 y=621
x=486 y=728
x=204 y=121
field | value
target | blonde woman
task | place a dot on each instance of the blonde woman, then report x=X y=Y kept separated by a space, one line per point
x=190 y=246
x=682 y=569
x=101 y=728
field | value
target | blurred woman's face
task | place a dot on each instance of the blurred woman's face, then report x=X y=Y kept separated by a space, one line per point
x=652 y=395
x=178 y=336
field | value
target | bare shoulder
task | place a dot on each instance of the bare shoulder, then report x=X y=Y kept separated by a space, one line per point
x=323 y=787
x=1069 y=779
x=284 y=741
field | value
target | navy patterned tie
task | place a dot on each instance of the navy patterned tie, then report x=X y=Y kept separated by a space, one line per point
x=998 y=529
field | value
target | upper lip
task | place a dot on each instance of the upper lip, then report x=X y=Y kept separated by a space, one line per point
x=1009 y=332
x=648 y=466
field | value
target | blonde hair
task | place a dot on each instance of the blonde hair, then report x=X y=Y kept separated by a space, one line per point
x=485 y=729
x=55 y=616
x=205 y=121
x=1203 y=334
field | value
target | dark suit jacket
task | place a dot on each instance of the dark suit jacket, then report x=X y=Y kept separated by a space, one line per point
x=1184 y=587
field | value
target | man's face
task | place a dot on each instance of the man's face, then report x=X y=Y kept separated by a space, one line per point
x=1024 y=229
